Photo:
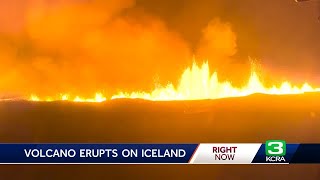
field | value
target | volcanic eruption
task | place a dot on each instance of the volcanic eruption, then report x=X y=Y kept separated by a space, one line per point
x=54 y=56
x=198 y=83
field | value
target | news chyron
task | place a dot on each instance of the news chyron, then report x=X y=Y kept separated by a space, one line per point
x=270 y=152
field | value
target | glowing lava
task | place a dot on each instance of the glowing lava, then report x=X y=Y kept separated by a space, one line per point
x=65 y=97
x=197 y=83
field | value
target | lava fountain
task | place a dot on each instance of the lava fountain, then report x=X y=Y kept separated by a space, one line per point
x=196 y=83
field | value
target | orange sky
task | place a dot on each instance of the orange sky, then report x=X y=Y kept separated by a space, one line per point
x=52 y=46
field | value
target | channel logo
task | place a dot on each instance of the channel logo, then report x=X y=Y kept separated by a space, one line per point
x=275 y=151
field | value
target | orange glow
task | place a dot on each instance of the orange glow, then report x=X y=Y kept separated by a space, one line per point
x=98 y=98
x=65 y=97
x=34 y=98
x=196 y=83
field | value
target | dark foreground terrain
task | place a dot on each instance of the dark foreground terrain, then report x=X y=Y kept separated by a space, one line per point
x=294 y=118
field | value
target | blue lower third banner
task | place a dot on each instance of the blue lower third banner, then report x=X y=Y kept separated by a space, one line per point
x=273 y=151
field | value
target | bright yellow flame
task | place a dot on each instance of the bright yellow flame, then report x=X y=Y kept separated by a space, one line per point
x=64 y=97
x=34 y=98
x=197 y=83
x=98 y=98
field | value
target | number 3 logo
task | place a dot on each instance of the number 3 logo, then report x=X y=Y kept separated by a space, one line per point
x=275 y=148
x=278 y=146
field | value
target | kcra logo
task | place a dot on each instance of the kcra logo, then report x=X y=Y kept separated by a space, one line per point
x=275 y=150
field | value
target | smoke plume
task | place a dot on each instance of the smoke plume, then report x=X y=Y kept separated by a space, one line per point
x=81 y=47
